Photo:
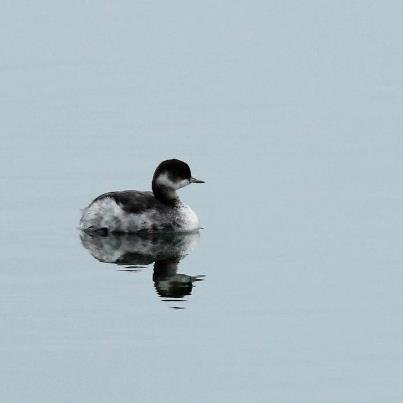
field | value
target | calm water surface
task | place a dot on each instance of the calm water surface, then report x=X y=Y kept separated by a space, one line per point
x=292 y=114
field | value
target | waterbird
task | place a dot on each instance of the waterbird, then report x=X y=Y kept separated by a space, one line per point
x=133 y=211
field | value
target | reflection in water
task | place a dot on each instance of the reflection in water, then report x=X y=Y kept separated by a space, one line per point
x=134 y=252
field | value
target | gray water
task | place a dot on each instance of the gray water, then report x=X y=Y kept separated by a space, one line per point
x=292 y=114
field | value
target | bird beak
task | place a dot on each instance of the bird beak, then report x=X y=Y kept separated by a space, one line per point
x=194 y=180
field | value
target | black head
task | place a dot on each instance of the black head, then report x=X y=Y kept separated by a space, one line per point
x=170 y=176
x=175 y=170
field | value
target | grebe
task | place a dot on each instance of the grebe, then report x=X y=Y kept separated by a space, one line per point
x=132 y=211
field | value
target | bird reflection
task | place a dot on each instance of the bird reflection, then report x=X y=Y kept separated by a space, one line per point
x=132 y=252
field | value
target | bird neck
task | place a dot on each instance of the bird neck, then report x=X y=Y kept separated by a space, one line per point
x=164 y=194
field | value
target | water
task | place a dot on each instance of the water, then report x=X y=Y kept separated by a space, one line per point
x=292 y=114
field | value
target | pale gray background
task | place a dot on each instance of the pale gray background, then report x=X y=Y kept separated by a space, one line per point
x=292 y=113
